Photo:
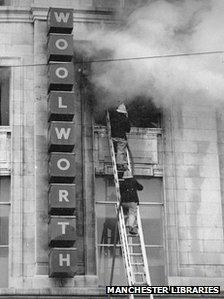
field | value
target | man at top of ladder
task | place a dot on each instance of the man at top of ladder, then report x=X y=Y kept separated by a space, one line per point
x=120 y=125
x=129 y=200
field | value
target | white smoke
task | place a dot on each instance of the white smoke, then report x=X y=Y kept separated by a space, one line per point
x=159 y=28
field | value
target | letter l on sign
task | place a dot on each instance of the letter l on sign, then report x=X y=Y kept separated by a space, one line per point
x=60 y=104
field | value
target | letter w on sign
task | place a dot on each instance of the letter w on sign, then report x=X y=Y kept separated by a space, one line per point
x=60 y=20
x=62 y=133
x=61 y=136
x=61 y=17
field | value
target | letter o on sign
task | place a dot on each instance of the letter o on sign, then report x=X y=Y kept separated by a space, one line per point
x=63 y=164
x=61 y=72
x=61 y=44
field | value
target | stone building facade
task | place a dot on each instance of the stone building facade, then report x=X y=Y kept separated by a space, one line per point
x=179 y=163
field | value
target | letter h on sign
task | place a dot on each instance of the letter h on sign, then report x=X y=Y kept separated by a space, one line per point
x=62 y=262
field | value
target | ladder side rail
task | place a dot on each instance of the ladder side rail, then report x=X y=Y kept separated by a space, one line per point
x=120 y=212
x=129 y=161
x=122 y=231
x=141 y=237
x=126 y=250
x=119 y=209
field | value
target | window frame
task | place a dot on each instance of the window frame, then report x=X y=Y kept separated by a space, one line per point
x=2 y=204
x=5 y=127
x=147 y=246
x=16 y=103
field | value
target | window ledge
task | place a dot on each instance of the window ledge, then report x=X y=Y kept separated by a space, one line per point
x=5 y=129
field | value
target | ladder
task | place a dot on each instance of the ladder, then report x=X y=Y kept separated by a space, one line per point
x=133 y=246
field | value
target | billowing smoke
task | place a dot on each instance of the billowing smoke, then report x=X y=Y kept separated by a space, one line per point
x=159 y=28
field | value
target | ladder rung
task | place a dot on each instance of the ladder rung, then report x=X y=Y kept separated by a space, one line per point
x=136 y=254
x=139 y=273
x=134 y=244
x=137 y=264
x=141 y=283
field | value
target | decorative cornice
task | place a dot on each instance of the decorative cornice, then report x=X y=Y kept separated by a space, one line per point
x=80 y=15
x=11 y=14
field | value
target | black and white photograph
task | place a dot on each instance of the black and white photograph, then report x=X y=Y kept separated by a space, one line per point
x=111 y=149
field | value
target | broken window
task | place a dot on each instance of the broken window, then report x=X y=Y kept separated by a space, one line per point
x=5 y=2
x=141 y=111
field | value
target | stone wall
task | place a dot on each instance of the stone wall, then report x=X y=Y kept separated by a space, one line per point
x=193 y=197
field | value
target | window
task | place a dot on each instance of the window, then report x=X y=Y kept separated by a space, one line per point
x=4 y=228
x=5 y=2
x=142 y=113
x=4 y=96
x=151 y=210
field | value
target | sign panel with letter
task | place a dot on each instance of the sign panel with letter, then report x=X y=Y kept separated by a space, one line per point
x=61 y=76
x=60 y=47
x=61 y=136
x=62 y=262
x=61 y=106
x=60 y=20
x=62 y=167
x=62 y=199
x=62 y=231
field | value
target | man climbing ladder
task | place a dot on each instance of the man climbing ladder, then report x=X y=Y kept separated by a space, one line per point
x=133 y=247
x=129 y=200
x=120 y=125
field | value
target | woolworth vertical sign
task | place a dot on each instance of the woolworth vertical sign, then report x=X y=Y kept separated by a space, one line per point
x=61 y=143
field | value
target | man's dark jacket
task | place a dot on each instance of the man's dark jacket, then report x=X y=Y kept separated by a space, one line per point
x=120 y=124
x=128 y=190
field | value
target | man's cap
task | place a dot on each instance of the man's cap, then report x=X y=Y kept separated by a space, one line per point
x=121 y=108
x=127 y=174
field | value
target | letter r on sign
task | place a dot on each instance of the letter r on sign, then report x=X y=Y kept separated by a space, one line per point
x=63 y=194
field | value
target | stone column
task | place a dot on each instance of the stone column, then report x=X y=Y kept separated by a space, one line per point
x=90 y=277
x=193 y=196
